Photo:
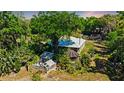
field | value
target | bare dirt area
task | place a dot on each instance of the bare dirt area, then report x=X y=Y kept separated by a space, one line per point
x=22 y=75
x=63 y=76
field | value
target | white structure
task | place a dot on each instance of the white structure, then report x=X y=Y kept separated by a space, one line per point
x=49 y=65
x=46 y=63
x=73 y=42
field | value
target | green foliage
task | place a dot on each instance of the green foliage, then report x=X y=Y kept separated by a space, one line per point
x=22 y=40
x=118 y=53
x=64 y=61
x=112 y=36
x=8 y=62
x=34 y=59
x=38 y=44
x=113 y=39
x=91 y=24
x=67 y=65
x=85 y=60
x=12 y=61
x=115 y=67
x=101 y=26
x=91 y=52
x=39 y=48
x=121 y=13
x=10 y=30
x=55 y=25
x=14 y=39
x=36 y=76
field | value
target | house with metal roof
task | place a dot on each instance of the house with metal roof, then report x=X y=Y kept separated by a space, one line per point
x=71 y=42
x=75 y=43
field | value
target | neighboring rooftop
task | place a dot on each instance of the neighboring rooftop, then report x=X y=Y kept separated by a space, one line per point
x=46 y=56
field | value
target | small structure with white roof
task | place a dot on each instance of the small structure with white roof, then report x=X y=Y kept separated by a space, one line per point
x=49 y=65
x=46 y=63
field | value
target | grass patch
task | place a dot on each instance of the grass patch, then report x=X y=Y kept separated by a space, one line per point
x=61 y=75
x=36 y=76
x=89 y=45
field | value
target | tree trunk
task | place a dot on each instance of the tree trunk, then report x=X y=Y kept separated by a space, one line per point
x=55 y=44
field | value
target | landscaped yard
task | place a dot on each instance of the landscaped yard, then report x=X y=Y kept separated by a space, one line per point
x=25 y=75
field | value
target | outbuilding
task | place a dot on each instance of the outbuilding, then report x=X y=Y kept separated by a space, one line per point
x=46 y=63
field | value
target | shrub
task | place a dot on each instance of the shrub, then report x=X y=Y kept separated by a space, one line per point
x=70 y=69
x=17 y=66
x=85 y=60
x=11 y=61
x=36 y=76
x=8 y=62
x=33 y=59
x=64 y=61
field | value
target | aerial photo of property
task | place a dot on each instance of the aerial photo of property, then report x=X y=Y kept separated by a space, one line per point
x=61 y=46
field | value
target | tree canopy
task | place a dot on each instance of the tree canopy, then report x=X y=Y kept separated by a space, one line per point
x=10 y=30
x=55 y=24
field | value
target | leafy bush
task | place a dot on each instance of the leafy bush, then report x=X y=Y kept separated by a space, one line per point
x=67 y=65
x=85 y=60
x=11 y=61
x=36 y=76
x=8 y=62
x=116 y=64
x=70 y=69
x=33 y=60
x=63 y=61
x=111 y=38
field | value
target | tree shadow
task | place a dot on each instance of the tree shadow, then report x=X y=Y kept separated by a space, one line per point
x=100 y=67
x=102 y=52
x=101 y=49
x=105 y=67
x=100 y=46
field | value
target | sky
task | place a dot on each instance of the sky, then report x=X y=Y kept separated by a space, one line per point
x=29 y=14
x=94 y=13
